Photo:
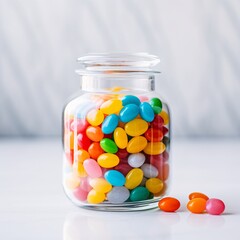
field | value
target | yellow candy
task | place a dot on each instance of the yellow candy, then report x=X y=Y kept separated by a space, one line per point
x=82 y=155
x=154 y=185
x=95 y=197
x=136 y=144
x=111 y=106
x=134 y=178
x=108 y=160
x=79 y=170
x=154 y=148
x=164 y=116
x=120 y=138
x=72 y=181
x=136 y=127
x=69 y=140
x=95 y=117
x=100 y=185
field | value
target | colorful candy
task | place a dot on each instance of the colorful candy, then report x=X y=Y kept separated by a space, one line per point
x=197 y=205
x=197 y=195
x=215 y=206
x=116 y=148
x=169 y=204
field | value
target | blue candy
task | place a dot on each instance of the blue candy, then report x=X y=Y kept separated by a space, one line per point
x=146 y=112
x=130 y=99
x=110 y=123
x=115 y=178
x=129 y=112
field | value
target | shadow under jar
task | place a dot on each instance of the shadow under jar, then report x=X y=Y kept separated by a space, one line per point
x=116 y=135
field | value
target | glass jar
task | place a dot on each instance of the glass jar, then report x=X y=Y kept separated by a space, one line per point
x=116 y=135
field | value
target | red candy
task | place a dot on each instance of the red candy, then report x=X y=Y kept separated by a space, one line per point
x=95 y=150
x=124 y=168
x=80 y=125
x=153 y=135
x=122 y=153
x=83 y=141
x=158 y=122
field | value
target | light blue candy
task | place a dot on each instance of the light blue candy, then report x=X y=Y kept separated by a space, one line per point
x=118 y=195
x=130 y=99
x=129 y=112
x=115 y=178
x=110 y=123
x=146 y=112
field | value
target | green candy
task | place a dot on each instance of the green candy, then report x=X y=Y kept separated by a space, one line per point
x=156 y=105
x=108 y=145
x=139 y=194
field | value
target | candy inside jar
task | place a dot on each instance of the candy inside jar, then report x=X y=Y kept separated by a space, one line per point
x=116 y=147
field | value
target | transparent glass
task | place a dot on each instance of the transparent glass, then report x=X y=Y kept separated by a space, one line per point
x=116 y=135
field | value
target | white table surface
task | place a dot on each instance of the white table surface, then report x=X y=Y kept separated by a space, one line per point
x=33 y=205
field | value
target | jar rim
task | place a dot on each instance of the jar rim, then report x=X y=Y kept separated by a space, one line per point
x=117 y=63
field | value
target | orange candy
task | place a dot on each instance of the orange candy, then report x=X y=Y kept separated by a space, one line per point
x=197 y=205
x=169 y=204
x=82 y=155
x=94 y=133
x=197 y=195
x=95 y=150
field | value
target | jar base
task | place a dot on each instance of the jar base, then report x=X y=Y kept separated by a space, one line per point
x=124 y=207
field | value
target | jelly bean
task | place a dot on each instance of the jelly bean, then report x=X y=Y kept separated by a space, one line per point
x=110 y=135
x=136 y=127
x=163 y=172
x=130 y=99
x=108 y=160
x=139 y=194
x=110 y=123
x=121 y=124
x=85 y=184
x=95 y=150
x=134 y=178
x=111 y=106
x=157 y=122
x=108 y=145
x=128 y=113
x=159 y=159
x=72 y=181
x=95 y=117
x=79 y=125
x=79 y=169
x=169 y=204
x=156 y=105
x=80 y=194
x=100 y=185
x=118 y=195
x=164 y=130
x=197 y=205
x=94 y=133
x=122 y=153
x=146 y=112
x=124 y=168
x=120 y=137
x=70 y=156
x=67 y=123
x=136 y=144
x=149 y=170
x=215 y=206
x=70 y=137
x=83 y=141
x=136 y=160
x=92 y=168
x=154 y=185
x=197 y=195
x=153 y=135
x=154 y=148
x=95 y=197
x=115 y=178
x=82 y=155
x=165 y=117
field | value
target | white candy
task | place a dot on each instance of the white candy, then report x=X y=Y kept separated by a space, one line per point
x=149 y=170
x=136 y=160
x=118 y=195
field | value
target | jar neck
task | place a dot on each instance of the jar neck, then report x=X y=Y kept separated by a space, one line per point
x=113 y=83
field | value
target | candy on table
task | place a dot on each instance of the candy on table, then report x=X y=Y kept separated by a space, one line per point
x=197 y=195
x=169 y=204
x=118 y=195
x=113 y=140
x=215 y=206
x=197 y=205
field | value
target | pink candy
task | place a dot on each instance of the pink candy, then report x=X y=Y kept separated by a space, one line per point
x=92 y=168
x=215 y=206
